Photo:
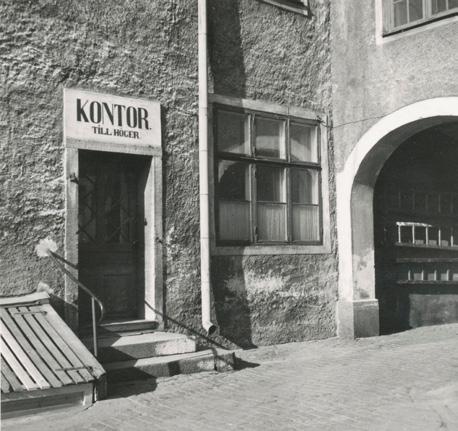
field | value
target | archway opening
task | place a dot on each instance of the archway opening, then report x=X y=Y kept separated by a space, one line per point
x=415 y=210
x=357 y=306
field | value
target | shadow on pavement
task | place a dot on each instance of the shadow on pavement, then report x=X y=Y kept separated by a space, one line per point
x=241 y=364
x=134 y=387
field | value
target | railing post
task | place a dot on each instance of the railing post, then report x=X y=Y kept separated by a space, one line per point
x=94 y=326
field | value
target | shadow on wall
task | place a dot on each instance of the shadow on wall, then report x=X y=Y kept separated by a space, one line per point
x=228 y=77
x=206 y=341
x=225 y=48
x=232 y=309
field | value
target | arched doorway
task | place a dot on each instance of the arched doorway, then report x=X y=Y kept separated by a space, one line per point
x=416 y=232
x=358 y=307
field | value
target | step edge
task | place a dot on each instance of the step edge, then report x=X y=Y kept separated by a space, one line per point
x=167 y=359
x=139 y=339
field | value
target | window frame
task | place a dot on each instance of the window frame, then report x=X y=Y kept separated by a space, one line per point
x=389 y=28
x=297 y=6
x=289 y=115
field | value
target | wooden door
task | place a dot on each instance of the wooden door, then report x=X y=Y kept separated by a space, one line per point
x=111 y=220
x=416 y=235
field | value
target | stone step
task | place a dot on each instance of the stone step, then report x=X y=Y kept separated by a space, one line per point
x=112 y=329
x=166 y=366
x=127 y=326
x=142 y=345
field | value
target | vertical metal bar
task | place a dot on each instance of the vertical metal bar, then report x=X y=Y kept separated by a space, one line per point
x=203 y=167
x=399 y=233
x=288 y=185
x=289 y=205
x=94 y=326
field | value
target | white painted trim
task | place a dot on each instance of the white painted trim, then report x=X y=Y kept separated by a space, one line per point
x=423 y=110
x=141 y=150
x=267 y=107
x=380 y=39
x=300 y=9
x=262 y=250
x=153 y=301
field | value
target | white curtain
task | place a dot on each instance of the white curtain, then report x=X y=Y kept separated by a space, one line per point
x=306 y=223
x=271 y=222
x=234 y=220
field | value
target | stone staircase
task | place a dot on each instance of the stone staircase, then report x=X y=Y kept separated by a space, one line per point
x=133 y=352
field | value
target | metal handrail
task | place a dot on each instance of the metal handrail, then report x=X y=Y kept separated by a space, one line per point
x=61 y=262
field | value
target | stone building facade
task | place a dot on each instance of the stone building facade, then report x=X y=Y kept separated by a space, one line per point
x=394 y=114
x=320 y=94
x=260 y=53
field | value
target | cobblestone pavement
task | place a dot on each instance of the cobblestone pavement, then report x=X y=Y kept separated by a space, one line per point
x=407 y=381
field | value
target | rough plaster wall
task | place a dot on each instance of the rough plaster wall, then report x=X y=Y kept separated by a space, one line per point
x=371 y=81
x=141 y=48
x=261 y=52
x=148 y=49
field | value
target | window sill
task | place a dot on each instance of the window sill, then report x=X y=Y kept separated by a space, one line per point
x=261 y=250
x=420 y=23
x=290 y=6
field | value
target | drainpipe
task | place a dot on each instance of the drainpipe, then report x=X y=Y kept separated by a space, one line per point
x=203 y=169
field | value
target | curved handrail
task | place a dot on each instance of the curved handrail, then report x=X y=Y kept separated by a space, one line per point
x=60 y=261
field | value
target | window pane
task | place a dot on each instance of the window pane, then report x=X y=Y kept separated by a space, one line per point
x=304 y=186
x=452 y=4
x=234 y=220
x=438 y=6
x=271 y=222
x=270 y=137
x=270 y=183
x=306 y=223
x=415 y=10
x=232 y=134
x=303 y=143
x=233 y=180
x=400 y=12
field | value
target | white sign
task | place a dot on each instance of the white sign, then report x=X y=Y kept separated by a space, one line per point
x=90 y=116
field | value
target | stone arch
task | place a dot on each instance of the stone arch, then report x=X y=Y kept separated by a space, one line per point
x=357 y=309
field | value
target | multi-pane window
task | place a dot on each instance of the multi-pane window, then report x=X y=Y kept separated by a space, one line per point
x=268 y=177
x=401 y=14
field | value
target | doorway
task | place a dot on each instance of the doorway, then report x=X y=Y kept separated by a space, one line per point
x=416 y=232
x=111 y=233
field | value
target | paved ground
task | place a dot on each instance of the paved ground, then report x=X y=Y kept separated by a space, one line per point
x=407 y=381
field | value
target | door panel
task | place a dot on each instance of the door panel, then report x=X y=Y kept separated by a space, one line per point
x=111 y=214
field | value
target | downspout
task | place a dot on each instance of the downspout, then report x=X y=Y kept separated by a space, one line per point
x=203 y=170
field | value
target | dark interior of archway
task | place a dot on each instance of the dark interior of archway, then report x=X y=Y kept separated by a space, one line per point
x=416 y=232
